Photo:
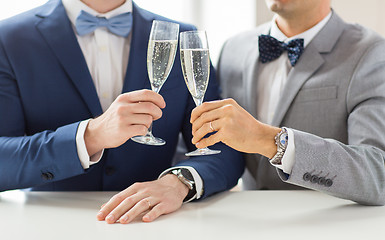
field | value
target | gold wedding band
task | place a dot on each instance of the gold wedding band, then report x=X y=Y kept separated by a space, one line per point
x=211 y=127
x=149 y=203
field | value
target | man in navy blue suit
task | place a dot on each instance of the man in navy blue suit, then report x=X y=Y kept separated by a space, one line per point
x=70 y=100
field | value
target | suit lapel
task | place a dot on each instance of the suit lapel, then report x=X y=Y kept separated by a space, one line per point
x=310 y=61
x=56 y=29
x=136 y=76
x=251 y=74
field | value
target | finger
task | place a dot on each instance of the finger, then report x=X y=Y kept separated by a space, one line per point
x=113 y=202
x=136 y=210
x=205 y=107
x=206 y=129
x=209 y=141
x=209 y=106
x=147 y=108
x=137 y=130
x=143 y=95
x=155 y=212
x=140 y=108
x=103 y=206
x=207 y=117
x=137 y=119
x=122 y=208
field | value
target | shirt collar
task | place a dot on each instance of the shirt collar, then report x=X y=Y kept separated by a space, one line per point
x=74 y=7
x=307 y=36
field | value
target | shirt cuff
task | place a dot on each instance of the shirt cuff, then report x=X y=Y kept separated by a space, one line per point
x=197 y=180
x=85 y=160
x=288 y=158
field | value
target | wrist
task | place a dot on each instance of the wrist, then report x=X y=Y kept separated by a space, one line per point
x=173 y=181
x=266 y=143
x=92 y=139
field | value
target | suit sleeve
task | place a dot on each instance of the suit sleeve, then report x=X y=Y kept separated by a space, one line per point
x=356 y=169
x=27 y=161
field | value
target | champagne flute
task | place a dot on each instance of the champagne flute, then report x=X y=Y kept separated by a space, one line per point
x=195 y=60
x=161 y=53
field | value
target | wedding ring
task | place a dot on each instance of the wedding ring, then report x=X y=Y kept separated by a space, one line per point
x=211 y=127
x=149 y=203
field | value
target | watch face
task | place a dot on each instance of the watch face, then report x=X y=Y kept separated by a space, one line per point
x=283 y=139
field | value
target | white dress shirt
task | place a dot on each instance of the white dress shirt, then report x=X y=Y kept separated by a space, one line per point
x=272 y=82
x=106 y=56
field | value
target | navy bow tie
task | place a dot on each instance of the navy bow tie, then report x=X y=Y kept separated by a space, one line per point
x=270 y=49
x=119 y=25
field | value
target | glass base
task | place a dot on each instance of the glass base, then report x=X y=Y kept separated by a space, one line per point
x=202 y=151
x=149 y=139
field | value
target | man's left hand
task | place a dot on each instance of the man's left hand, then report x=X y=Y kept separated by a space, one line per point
x=158 y=197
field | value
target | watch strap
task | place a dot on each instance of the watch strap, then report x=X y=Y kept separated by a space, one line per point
x=281 y=140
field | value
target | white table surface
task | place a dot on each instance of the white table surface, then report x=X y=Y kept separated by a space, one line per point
x=232 y=215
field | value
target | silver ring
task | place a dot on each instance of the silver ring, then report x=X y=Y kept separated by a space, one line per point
x=211 y=127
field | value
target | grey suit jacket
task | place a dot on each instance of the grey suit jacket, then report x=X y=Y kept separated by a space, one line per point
x=334 y=102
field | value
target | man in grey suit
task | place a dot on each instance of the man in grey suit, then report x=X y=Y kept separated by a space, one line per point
x=316 y=118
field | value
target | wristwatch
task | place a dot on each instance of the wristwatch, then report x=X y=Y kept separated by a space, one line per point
x=187 y=179
x=281 y=141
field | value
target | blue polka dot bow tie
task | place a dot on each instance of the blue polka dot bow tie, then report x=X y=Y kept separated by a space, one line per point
x=119 y=25
x=270 y=49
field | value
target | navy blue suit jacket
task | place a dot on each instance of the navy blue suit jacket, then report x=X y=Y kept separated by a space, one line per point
x=46 y=90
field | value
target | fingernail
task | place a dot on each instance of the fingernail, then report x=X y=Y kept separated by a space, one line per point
x=146 y=218
x=124 y=219
x=110 y=218
x=100 y=214
x=198 y=144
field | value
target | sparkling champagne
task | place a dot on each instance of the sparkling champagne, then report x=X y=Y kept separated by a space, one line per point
x=196 y=71
x=160 y=58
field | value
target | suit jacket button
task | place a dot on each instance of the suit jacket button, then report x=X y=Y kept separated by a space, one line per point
x=314 y=179
x=110 y=171
x=321 y=181
x=328 y=182
x=47 y=176
x=306 y=176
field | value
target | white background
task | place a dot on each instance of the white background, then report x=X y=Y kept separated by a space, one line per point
x=224 y=18
x=218 y=17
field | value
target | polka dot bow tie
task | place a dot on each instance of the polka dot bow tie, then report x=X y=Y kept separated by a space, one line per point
x=270 y=49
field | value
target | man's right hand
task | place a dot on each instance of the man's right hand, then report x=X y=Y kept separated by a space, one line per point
x=131 y=114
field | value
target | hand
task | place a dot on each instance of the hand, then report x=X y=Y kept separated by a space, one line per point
x=161 y=196
x=234 y=126
x=131 y=114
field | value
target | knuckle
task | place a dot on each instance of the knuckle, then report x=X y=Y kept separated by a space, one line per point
x=117 y=198
x=229 y=101
x=120 y=110
x=136 y=185
x=146 y=191
x=147 y=93
x=120 y=98
x=204 y=115
x=148 y=120
x=125 y=97
x=228 y=109
x=129 y=200
x=205 y=105
x=142 y=130
x=160 y=113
